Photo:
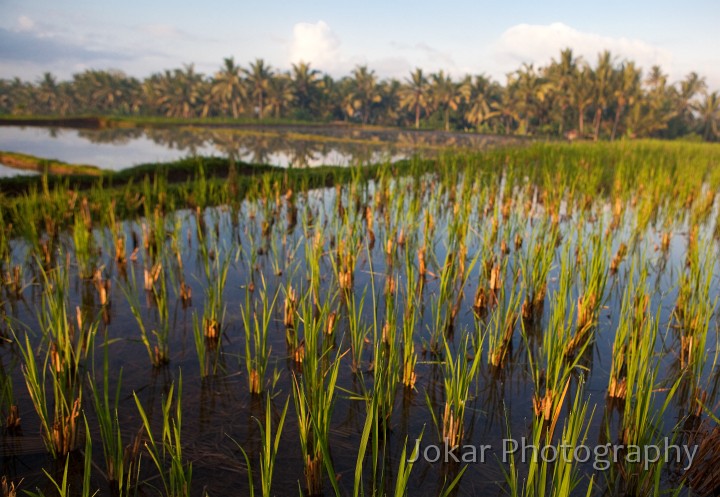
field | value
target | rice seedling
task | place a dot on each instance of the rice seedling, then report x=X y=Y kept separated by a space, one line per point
x=159 y=352
x=214 y=310
x=641 y=419
x=550 y=370
x=120 y=467
x=502 y=323
x=63 y=486
x=694 y=308
x=256 y=324
x=453 y=278
x=410 y=317
x=631 y=337
x=66 y=347
x=166 y=451
x=558 y=476
x=459 y=371
x=359 y=331
x=535 y=266
x=268 y=450
x=592 y=262
x=83 y=244
x=314 y=395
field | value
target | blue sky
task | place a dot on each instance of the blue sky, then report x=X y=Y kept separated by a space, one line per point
x=391 y=37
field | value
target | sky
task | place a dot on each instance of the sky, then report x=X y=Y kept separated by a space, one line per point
x=391 y=37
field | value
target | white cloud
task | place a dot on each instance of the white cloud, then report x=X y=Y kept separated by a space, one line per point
x=24 y=23
x=533 y=43
x=317 y=44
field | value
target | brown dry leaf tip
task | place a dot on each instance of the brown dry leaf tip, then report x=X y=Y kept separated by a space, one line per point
x=290 y=306
x=401 y=238
x=13 y=419
x=159 y=358
x=452 y=429
x=185 y=293
x=8 y=488
x=120 y=250
x=386 y=331
x=332 y=318
x=495 y=280
x=617 y=389
x=422 y=269
x=389 y=246
x=504 y=249
x=480 y=301
x=299 y=353
x=254 y=382
x=665 y=243
x=152 y=275
x=390 y=285
x=211 y=328
x=518 y=241
x=409 y=375
x=543 y=405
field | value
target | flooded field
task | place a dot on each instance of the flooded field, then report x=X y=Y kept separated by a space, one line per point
x=294 y=338
x=284 y=146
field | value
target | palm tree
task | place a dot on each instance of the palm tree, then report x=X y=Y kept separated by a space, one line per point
x=305 y=85
x=561 y=74
x=228 y=88
x=388 y=109
x=708 y=111
x=414 y=94
x=446 y=95
x=363 y=92
x=626 y=91
x=690 y=87
x=178 y=93
x=258 y=77
x=581 y=94
x=603 y=78
x=659 y=102
x=279 y=94
x=480 y=93
x=527 y=92
x=47 y=94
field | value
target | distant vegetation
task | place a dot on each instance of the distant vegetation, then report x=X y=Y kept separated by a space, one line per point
x=609 y=99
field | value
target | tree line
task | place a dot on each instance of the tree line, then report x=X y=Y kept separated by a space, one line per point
x=608 y=99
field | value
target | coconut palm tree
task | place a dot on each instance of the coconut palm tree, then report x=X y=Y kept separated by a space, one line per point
x=480 y=93
x=258 y=78
x=626 y=91
x=362 y=92
x=446 y=95
x=280 y=94
x=603 y=79
x=414 y=94
x=528 y=91
x=178 y=93
x=228 y=89
x=581 y=94
x=305 y=82
x=708 y=110
x=46 y=94
x=561 y=74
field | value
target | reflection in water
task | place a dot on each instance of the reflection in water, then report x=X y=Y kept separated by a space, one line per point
x=119 y=148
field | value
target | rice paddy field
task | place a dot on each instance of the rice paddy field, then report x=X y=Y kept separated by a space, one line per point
x=213 y=328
